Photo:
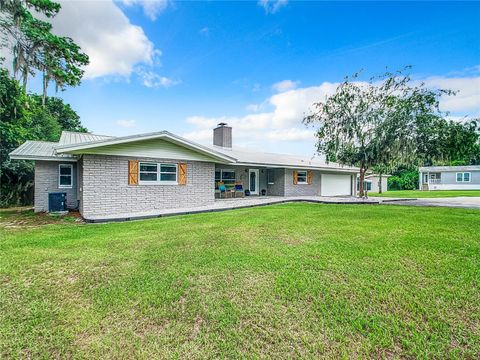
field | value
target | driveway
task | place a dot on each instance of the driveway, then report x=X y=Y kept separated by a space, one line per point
x=460 y=202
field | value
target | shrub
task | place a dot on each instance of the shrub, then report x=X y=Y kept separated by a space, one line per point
x=403 y=180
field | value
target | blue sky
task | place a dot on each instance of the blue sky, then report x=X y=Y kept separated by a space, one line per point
x=183 y=66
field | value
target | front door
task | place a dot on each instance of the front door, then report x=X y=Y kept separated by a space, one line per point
x=253 y=181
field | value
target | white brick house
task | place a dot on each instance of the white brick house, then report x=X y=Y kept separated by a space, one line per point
x=103 y=175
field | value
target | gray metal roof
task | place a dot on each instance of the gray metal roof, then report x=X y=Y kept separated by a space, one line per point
x=449 y=168
x=249 y=157
x=39 y=150
x=70 y=141
x=70 y=137
x=77 y=148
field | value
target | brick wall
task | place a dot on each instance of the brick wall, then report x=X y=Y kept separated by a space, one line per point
x=106 y=189
x=278 y=186
x=46 y=181
x=301 y=189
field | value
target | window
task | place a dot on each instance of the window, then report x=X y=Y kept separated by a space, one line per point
x=153 y=173
x=368 y=185
x=270 y=176
x=168 y=172
x=65 y=175
x=301 y=177
x=148 y=172
x=225 y=176
x=463 y=177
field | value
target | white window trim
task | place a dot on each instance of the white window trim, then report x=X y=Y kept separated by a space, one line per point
x=306 y=177
x=71 y=176
x=158 y=181
x=463 y=177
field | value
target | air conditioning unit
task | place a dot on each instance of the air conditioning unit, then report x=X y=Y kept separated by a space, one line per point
x=57 y=202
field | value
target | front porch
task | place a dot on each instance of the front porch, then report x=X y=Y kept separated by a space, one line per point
x=242 y=181
x=429 y=180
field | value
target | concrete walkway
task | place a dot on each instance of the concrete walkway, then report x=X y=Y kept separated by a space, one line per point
x=229 y=204
x=239 y=203
x=456 y=202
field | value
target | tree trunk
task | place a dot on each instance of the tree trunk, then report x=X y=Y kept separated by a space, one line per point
x=361 y=190
x=45 y=86
x=380 y=189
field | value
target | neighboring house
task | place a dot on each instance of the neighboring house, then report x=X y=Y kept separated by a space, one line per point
x=104 y=175
x=372 y=182
x=449 y=177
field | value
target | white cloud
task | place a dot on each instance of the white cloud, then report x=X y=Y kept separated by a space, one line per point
x=204 y=31
x=253 y=107
x=291 y=106
x=128 y=124
x=467 y=99
x=279 y=124
x=151 y=8
x=151 y=79
x=292 y=134
x=272 y=6
x=284 y=85
x=102 y=30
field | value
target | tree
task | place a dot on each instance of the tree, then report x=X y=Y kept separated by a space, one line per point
x=22 y=117
x=36 y=48
x=374 y=123
x=66 y=117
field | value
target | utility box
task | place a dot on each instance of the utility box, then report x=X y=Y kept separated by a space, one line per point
x=57 y=202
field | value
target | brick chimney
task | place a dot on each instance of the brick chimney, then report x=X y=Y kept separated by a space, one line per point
x=222 y=136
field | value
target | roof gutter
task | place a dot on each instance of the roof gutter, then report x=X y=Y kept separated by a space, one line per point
x=46 y=158
x=346 y=170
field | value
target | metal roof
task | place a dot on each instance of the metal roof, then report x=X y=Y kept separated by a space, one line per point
x=450 y=168
x=77 y=148
x=70 y=137
x=39 y=150
x=72 y=141
x=248 y=157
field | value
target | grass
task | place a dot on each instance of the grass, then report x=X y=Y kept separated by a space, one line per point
x=427 y=194
x=290 y=280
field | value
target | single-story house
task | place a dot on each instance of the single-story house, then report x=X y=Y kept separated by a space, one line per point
x=372 y=182
x=449 y=177
x=105 y=175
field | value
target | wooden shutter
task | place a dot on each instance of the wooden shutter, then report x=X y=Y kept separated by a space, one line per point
x=309 y=177
x=295 y=178
x=132 y=172
x=182 y=174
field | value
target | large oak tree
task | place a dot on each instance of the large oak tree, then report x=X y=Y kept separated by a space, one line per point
x=375 y=123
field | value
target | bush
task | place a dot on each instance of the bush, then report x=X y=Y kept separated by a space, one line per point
x=403 y=180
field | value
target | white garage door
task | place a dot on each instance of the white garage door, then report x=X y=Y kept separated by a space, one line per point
x=335 y=185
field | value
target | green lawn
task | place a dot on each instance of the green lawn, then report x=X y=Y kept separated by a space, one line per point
x=427 y=194
x=290 y=280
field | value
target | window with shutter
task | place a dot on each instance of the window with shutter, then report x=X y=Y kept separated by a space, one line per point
x=301 y=177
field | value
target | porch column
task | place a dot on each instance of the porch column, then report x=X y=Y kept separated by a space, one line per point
x=420 y=181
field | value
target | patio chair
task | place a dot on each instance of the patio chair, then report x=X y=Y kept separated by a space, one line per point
x=238 y=192
x=223 y=191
